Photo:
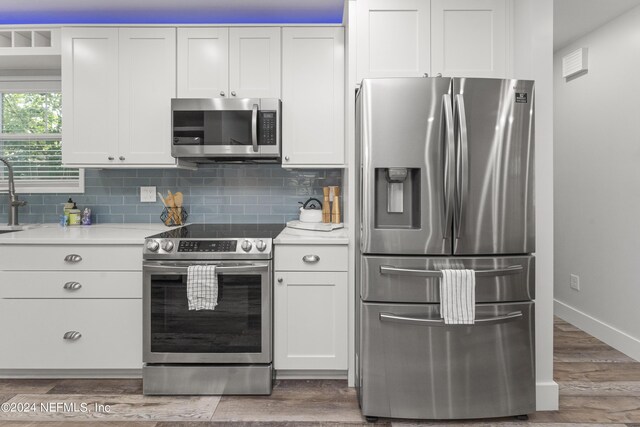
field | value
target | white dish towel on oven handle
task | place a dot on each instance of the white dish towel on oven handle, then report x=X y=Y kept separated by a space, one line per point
x=458 y=297
x=202 y=287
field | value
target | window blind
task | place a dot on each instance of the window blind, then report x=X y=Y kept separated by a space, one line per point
x=31 y=140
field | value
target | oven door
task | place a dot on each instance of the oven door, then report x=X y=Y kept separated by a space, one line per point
x=238 y=330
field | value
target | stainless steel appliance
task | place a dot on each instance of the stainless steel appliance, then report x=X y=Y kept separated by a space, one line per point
x=227 y=350
x=224 y=130
x=446 y=174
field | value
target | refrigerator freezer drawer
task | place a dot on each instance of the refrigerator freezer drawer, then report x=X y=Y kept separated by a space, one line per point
x=417 y=279
x=420 y=370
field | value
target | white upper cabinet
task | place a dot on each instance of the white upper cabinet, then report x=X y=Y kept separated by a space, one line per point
x=90 y=95
x=313 y=97
x=455 y=38
x=254 y=62
x=117 y=85
x=147 y=84
x=393 y=38
x=203 y=70
x=469 y=38
x=229 y=62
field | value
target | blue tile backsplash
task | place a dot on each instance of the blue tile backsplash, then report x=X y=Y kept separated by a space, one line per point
x=214 y=194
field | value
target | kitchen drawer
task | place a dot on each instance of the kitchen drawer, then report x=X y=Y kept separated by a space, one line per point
x=292 y=258
x=414 y=366
x=33 y=330
x=52 y=257
x=70 y=284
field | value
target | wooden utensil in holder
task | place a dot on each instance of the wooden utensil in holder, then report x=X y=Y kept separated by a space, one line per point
x=335 y=208
x=326 y=206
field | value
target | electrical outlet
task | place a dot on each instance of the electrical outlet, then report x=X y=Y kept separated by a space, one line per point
x=148 y=194
x=575 y=282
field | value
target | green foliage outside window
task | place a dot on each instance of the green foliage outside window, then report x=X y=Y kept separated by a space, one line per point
x=30 y=137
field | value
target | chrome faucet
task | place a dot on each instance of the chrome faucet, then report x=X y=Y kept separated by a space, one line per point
x=14 y=203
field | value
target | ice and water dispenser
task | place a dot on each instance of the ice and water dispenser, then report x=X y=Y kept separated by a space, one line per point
x=397 y=197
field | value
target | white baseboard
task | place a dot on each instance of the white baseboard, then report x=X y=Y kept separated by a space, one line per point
x=70 y=373
x=310 y=375
x=547 y=396
x=616 y=338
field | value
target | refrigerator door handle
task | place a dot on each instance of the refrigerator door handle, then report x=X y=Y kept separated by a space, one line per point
x=398 y=271
x=449 y=167
x=462 y=161
x=426 y=321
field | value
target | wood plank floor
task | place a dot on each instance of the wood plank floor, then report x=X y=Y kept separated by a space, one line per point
x=598 y=386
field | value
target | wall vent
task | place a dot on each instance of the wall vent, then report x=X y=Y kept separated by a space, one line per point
x=575 y=62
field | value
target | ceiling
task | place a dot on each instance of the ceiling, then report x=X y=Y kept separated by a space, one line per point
x=575 y=18
x=171 y=11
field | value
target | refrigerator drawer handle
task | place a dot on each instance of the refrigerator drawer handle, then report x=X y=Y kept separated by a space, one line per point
x=390 y=317
x=499 y=319
x=494 y=320
x=386 y=269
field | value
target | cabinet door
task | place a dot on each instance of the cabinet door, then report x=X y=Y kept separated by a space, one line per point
x=393 y=38
x=310 y=320
x=254 y=62
x=313 y=97
x=469 y=38
x=147 y=84
x=203 y=70
x=90 y=95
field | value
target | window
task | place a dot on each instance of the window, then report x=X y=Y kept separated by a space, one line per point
x=31 y=140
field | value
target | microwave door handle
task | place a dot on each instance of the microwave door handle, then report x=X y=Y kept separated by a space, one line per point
x=254 y=127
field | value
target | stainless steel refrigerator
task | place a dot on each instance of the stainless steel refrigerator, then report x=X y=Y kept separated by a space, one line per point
x=446 y=181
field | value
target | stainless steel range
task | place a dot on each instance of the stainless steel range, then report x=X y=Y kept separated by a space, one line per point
x=227 y=350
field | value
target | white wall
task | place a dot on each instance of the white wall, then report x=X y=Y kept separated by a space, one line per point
x=597 y=185
x=533 y=59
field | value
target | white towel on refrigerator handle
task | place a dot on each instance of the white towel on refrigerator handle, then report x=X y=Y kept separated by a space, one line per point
x=458 y=297
x=202 y=287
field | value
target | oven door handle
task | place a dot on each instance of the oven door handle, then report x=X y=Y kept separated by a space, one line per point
x=221 y=269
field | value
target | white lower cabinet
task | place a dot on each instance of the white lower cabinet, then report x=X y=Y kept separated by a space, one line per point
x=310 y=310
x=109 y=334
x=70 y=307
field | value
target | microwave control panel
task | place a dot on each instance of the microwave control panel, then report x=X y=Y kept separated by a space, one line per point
x=268 y=127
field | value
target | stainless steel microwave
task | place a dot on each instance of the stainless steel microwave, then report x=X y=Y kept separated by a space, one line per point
x=223 y=130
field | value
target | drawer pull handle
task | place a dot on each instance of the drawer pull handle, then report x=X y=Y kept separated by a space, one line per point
x=425 y=321
x=310 y=259
x=72 y=286
x=72 y=335
x=73 y=258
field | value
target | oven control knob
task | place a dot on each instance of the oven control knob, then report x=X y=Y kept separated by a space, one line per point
x=261 y=245
x=167 y=246
x=153 y=246
x=246 y=246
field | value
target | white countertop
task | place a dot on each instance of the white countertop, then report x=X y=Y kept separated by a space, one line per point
x=98 y=234
x=294 y=236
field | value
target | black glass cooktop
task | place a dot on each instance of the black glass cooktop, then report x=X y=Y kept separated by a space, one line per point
x=223 y=231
